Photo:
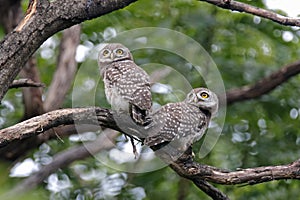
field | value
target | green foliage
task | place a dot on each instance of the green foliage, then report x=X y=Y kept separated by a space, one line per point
x=246 y=48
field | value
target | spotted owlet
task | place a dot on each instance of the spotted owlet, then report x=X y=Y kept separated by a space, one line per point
x=176 y=126
x=127 y=86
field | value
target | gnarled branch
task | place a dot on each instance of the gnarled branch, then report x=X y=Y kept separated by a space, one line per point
x=194 y=171
x=185 y=166
x=242 y=7
x=42 y=123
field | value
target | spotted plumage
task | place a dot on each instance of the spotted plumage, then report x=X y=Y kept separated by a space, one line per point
x=179 y=125
x=127 y=86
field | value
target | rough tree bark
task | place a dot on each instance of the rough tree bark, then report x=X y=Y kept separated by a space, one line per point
x=43 y=19
x=32 y=96
x=42 y=123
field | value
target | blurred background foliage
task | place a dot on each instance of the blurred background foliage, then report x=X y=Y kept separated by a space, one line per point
x=258 y=132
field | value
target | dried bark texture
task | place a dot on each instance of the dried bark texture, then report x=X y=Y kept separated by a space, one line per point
x=195 y=171
x=32 y=96
x=66 y=69
x=43 y=19
x=42 y=123
x=242 y=7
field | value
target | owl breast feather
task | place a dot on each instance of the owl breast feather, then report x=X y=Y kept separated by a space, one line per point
x=117 y=102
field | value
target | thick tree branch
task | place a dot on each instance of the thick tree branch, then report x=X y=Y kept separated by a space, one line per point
x=25 y=83
x=242 y=7
x=185 y=166
x=265 y=85
x=195 y=171
x=42 y=123
x=43 y=20
x=32 y=96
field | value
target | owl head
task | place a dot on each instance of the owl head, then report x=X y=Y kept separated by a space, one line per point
x=113 y=52
x=204 y=99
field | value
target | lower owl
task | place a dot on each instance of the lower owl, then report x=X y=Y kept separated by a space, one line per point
x=176 y=126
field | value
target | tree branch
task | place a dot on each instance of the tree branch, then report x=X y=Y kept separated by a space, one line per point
x=42 y=123
x=43 y=19
x=265 y=85
x=242 y=7
x=25 y=83
x=185 y=166
x=195 y=171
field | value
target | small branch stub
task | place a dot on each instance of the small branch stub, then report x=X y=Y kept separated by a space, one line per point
x=25 y=83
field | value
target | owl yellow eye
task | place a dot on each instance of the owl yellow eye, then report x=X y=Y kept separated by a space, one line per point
x=105 y=53
x=204 y=95
x=119 y=51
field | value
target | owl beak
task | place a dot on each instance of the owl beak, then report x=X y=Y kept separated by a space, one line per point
x=112 y=56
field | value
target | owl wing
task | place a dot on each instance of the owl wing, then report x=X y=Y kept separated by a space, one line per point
x=166 y=123
x=140 y=105
x=183 y=125
x=135 y=87
x=141 y=96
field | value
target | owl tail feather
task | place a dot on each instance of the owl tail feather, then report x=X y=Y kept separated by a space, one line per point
x=139 y=116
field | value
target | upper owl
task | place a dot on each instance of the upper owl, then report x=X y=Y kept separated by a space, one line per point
x=127 y=86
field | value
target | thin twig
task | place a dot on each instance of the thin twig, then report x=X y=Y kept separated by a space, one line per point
x=25 y=83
